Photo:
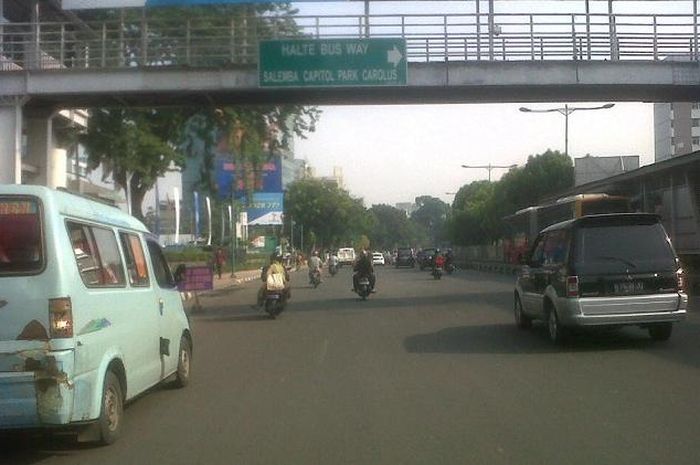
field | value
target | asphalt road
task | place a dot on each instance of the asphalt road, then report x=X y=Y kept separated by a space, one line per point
x=425 y=372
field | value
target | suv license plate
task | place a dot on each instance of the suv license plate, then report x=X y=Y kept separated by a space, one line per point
x=273 y=296
x=630 y=287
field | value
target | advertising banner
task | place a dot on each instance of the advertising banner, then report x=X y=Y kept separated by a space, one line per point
x=98 y=4
x=229 y=180
x=266 y=209
x=197 y=278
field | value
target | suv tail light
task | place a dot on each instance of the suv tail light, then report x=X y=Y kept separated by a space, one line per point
x=680 y=280
x=572 y=286
x=60 y=318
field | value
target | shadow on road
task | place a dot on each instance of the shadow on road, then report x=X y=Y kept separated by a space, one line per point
x=507 y=339
x=377 y=301
x=28 y=447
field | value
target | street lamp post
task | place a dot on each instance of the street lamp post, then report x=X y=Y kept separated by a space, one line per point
x=489 y=167
x=566 y=111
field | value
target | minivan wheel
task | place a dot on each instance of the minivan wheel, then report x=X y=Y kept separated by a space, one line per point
x=521 y=320
x=557 y=333
x=661 y=331
x=184 y=364
x=112 y=411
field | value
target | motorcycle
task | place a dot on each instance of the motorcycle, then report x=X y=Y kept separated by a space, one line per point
x=275 y=301
x=332 y=269
x=315 y=278
x=449 y=268
x=363 y=288
x=437 y=272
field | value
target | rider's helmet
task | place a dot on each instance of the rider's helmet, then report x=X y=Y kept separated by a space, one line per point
x=315 y=253
x=437 y=251
x=275 y=257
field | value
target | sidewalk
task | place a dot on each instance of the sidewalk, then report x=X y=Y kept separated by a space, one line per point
x=240 y=277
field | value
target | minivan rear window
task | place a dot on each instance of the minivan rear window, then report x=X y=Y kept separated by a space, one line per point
x=21 y=244
x=629 y=248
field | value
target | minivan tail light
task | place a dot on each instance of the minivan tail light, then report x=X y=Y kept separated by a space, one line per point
x=572 y=286
x=680 y=280
x=60 y=318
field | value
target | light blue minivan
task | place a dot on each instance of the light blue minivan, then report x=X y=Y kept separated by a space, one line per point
x=90 y=315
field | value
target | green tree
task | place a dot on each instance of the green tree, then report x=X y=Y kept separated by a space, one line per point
x=431 y=214
x=134 y=143
x=469 y=222
x=330 y=213
x=390 y=228
x=479 y=207
x=543 y=175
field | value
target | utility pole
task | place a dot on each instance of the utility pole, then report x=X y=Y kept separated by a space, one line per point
x=489 y=167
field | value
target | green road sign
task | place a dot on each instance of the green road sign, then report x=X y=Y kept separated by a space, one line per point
x=332 y=62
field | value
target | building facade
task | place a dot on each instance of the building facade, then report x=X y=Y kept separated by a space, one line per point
x=588 y=169
x=676 y=129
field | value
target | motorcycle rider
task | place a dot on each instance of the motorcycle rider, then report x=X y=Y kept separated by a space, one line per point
x=363 y=267
x=438 y=260
x=333 y=262
x=315 y=265
x=274 y=267
x=449 y=260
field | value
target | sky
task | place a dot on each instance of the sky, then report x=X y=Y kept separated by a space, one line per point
x=392 y=154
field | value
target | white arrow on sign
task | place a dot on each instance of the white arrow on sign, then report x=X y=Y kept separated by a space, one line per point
x=394 y=56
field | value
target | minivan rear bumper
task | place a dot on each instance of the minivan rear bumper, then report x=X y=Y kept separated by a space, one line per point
x=628 y=310
x=39 y=392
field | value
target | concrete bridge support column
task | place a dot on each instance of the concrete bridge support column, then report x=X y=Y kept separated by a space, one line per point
x=49 y=160
x=11 y=140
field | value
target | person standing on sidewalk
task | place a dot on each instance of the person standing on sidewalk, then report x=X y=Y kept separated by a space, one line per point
x=219 y=260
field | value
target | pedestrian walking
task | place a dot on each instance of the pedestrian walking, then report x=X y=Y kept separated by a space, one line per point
x=219 y=260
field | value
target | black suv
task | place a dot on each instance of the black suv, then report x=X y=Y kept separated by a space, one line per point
x=404 y=257
x=426 y=257
x=602 y=270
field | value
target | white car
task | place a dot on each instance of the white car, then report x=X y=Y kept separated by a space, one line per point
x=377 y=259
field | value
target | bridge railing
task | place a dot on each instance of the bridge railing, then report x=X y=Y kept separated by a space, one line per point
x=227 y=41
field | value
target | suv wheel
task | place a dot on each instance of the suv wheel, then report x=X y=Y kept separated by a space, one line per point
x=521 y=320
x=557 y=333
x=660 y=331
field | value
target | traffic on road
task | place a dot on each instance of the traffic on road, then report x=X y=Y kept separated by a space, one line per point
x=425 y=371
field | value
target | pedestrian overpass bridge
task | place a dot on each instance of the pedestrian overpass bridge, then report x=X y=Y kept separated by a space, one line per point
x=450 y=58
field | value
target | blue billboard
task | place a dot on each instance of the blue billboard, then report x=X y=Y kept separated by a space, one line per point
x=230 y=180
x=266 y=208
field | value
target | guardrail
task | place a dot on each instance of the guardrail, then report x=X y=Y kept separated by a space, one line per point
x=225 y=41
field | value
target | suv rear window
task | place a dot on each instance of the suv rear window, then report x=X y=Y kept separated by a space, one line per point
x=629 y=248
x=21 y=250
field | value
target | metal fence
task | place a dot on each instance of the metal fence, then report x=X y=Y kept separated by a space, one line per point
x=227 y=41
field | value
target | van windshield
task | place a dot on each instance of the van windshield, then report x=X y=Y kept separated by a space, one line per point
x=626 y=248
x=20 y=236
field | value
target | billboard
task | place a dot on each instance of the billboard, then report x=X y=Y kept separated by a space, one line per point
x=266 y=209
x=230 y=181
x=97 y=4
